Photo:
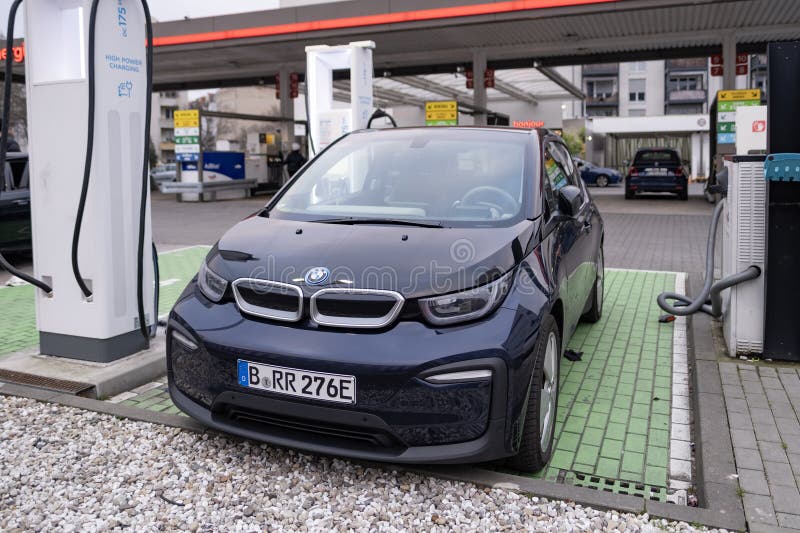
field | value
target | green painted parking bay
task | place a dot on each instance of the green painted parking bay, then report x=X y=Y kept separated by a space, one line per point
x=615 y=405
x=18 y=313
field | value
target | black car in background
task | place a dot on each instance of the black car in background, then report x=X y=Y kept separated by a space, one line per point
x=15 y=205
x=657 y=170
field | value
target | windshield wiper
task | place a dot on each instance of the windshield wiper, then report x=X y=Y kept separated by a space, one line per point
x=391 y=221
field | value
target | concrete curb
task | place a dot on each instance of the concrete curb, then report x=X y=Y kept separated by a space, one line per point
x=717 y=481
x=488 y=478
x=107 y=379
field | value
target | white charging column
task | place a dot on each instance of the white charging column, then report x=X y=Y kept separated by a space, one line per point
x=57 y=31
x=327 y=123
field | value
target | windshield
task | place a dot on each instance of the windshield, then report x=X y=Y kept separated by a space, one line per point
x=657 y=156
x=455 y=177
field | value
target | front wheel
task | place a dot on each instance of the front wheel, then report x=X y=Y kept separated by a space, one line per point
x=540 y=410
x=602 y=181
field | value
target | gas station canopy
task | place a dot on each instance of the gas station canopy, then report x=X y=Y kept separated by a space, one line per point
x=416 y=37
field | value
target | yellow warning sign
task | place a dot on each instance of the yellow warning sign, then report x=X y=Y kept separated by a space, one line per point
x=443 y=113
x=740 y=94
x=441 y=110
x=188 y=118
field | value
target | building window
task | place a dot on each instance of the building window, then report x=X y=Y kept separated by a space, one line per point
x=685 y=109
x=601 y=112
x=636 y=90
x=168 y=111
x=637 y=66
x=600 y=89
x=686 y=82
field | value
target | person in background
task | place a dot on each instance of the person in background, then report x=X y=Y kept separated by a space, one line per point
x=294 y=160
x=13 y=145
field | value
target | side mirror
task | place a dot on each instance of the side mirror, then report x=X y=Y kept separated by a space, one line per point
x=570 y=200
x=579 y=163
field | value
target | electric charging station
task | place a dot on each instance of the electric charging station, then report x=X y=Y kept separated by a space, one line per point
x=326 y=123
x=60 y=92
x=761 y=206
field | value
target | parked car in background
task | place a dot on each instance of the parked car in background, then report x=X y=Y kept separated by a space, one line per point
x=15 y=205
x=594 y=175
x=162 y=174
x=657 y=170
x=318 y=324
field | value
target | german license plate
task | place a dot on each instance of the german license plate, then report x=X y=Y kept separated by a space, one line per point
x=295 y=382
x=656 y=171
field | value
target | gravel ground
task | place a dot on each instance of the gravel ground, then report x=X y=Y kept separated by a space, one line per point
x=73 y=470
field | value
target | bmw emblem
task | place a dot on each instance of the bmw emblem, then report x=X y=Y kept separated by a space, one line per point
x=317 y=276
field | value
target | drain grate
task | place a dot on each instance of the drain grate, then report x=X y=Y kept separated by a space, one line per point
x=53 y=384
x=619 y=486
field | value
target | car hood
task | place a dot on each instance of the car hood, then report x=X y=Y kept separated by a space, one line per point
x=410 y=260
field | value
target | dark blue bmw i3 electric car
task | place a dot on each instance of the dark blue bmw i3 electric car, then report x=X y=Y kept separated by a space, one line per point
x=406 y=297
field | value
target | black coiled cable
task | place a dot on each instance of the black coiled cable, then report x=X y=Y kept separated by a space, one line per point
x=12 y=14
x=88 y=164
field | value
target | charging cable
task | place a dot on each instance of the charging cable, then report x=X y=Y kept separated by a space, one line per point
x=88 y=163
x=87 y=169
x=12 y=14
x=709 y=300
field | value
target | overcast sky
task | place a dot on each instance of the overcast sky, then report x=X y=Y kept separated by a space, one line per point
x=167 y=9
x=177 y=9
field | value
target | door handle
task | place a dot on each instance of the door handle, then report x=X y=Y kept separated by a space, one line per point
x=21 y=202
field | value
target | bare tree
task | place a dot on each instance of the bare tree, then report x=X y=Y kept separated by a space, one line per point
x=18 y=123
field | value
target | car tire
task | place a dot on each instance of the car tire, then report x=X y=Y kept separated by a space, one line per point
x=629 y=194
x=595 y=312
x=538 y=432
x=601 y=181
x=683 y=195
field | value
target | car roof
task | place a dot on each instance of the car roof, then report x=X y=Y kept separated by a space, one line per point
x=657 y=150
x=505 y=129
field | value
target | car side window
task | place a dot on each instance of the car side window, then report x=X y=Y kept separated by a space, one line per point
x=556 y=179
x=573 y=176
x=556 y=174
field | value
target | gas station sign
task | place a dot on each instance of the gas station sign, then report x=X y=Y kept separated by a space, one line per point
x=727 y=103
x=441 y=113
x=187 y=134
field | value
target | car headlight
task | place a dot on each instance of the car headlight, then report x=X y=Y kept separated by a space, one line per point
x=211 y=284
x=466 y=305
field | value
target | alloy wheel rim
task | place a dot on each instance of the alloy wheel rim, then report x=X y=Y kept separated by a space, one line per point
x=549 y=392
x=602 y=181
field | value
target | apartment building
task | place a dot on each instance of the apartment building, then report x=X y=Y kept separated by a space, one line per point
x=162 y=131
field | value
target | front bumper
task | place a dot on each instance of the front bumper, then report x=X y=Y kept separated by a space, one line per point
x=397 y=417
x=338 y=432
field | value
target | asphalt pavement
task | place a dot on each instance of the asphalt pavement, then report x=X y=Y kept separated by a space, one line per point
x=655 y=231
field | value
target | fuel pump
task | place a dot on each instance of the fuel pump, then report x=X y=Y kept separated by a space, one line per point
x=89 y=78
